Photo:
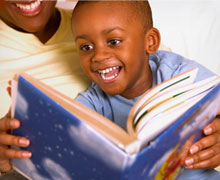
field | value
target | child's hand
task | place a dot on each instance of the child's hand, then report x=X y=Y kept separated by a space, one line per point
x=205 y=153
x=7 y=139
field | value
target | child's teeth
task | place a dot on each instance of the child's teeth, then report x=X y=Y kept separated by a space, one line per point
x=103 y=72
x=108 y=78
x=103 y=76
x=108 y=70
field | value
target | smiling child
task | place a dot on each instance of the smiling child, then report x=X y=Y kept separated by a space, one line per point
x=118 y=48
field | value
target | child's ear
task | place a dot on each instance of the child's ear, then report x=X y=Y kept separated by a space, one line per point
x=152 y=40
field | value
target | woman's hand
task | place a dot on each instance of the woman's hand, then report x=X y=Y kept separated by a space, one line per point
x=7 y=139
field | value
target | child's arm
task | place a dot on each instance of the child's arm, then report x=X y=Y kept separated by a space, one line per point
x=6 y=139
x=205 y=153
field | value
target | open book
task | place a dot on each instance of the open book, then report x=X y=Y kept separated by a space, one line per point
x=70 y=141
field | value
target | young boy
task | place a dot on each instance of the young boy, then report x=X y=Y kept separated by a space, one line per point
x=118 y=49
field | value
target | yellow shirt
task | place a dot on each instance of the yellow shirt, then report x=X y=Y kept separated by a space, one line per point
x=56 y=62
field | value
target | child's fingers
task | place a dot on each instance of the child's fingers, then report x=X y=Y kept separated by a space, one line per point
x=212 y=127
x=208 y=163
x=205 y=153
x=207 y=158
x=205 y=142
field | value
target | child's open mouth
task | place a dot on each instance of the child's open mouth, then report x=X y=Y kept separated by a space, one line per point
x=28 y=8
x=109 y=74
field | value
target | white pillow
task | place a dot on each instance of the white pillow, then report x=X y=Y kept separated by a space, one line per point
x=190 y=28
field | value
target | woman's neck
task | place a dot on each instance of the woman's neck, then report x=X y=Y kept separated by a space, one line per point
x=50 y=28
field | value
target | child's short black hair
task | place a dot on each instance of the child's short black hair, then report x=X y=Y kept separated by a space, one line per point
x=140 y=10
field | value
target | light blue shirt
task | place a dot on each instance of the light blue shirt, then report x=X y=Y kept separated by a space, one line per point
x=164 y=65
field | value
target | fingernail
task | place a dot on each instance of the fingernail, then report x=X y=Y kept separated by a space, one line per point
x=26 y=154
x=208 y=130
x=14 y=123
x=194 y=149
x=189 y=167
x=189 y=161
x=24 y=142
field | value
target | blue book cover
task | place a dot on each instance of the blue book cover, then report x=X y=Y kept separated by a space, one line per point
x=66 y=146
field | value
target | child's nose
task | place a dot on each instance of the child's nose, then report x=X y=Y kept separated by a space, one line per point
x=101 y=54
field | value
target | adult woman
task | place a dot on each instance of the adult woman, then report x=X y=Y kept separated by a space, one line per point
x=36 y=38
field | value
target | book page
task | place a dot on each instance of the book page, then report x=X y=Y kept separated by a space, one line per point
x=202 y=89
x=179 y=80
x=155 y=102
x=163 y=120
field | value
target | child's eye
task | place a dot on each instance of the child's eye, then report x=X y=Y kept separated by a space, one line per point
x=114 y=41
x=86 y=47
